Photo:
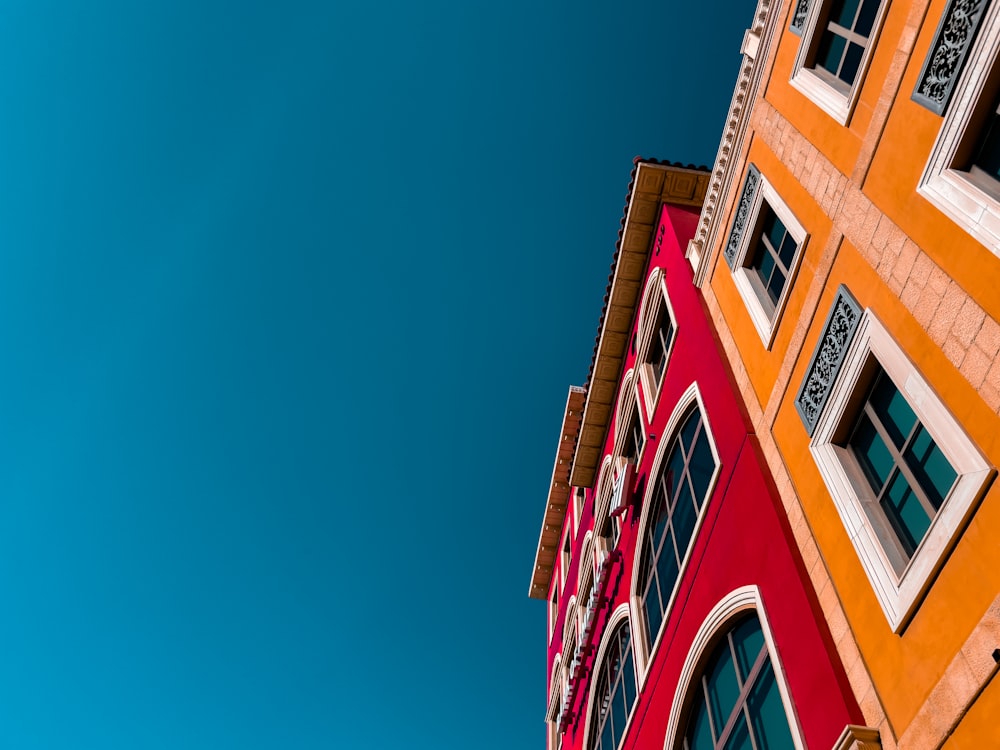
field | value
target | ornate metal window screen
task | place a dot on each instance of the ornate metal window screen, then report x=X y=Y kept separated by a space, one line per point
x=750 y=185
x=798 y=23
x=838 y=332
x=953 y=39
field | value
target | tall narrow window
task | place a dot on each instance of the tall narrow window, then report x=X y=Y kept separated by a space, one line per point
x=678 y=495
x=614 y=692
x=657 y=331
x=553 y=609
x=767 y=255
x=659 y=345
x=635 y=438
x=736 y=704
x=565 y=557
x=771 y=260
x=630 y=437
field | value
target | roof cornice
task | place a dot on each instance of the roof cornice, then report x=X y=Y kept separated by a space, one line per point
x=558 y=499
x=652 y=185
x=757 y=42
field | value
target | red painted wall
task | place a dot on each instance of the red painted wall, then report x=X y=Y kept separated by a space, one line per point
x=744 y=539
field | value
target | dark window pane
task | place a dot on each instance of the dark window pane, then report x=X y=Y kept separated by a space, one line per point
x=764 y=264
x=688 y=431
x=775 y=285
x=932 y=469
x=896 y=415
x=907 y=515
x=831 y=49
x=866 y=18
x=654 y=613
x=740 y=737
x=618 y=715
x=872 y=453
x=628 y=680
x=787 y=252
x=748 y=640
x=684 y=518
x=655 y=356
x=700 y=735
x=660 y=524
x=988 y=155
x=675 y=469
x=774 y=229
x=666 y=569
x=852 y=61
x=770 y=724
x=607 y=738
x=702 y=467
x=842 y=12
x=722 y=688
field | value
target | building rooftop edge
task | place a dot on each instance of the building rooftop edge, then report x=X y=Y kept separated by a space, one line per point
x=558 y=500
x=652 y=183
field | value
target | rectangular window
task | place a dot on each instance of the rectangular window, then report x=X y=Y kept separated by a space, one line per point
x=836 y=48
x=635 y=438
x=962 y=176
x=765 y=253
x=843 y=42
x=564 y=558
x=906 y=472
x=901 y=471
x=657 y=330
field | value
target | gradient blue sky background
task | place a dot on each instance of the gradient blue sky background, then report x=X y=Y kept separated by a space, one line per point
x=290 y=297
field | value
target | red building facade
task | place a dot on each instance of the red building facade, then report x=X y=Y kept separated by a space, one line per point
x=680 y=609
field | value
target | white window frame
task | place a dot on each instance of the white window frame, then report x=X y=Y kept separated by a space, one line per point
x=645 y=645
x=655 y=298
x=565 y=555
x=740 y=600
x=954 y=191
x=766 y=323
x=897 y=594
x=837 y=104
x=553 y=607
x=628 y=402
x=614 y=619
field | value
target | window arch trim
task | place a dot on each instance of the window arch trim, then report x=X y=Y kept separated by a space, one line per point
x=569 y=626
x=555 y=679
x=620 y=613
x=645 y=645
x=602 y=491
x=743 y=599
x=627 y=407
x=652 y=304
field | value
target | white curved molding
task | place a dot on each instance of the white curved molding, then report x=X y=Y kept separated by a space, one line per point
x=647 y=644
x=747 y=84
x=621 y=612
x=737 y=601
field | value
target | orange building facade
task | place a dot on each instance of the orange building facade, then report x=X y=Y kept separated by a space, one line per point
x=848 y=256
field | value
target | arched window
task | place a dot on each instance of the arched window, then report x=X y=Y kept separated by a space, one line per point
x=657 y=330
x=630 y=437
x=736 y=704
x=677 y=494
x=614 y=692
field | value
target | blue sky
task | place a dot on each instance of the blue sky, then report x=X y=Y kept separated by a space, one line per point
x=290 y=297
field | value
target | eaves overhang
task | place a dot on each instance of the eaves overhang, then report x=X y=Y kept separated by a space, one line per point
x=653 y=183
x=560 y=494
